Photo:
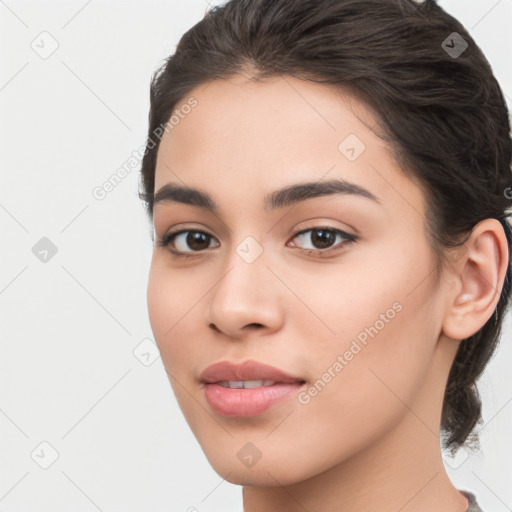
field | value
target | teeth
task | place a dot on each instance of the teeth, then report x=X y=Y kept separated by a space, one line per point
x=244 y=384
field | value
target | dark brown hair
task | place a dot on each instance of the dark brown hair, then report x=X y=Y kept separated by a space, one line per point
x=438 y=105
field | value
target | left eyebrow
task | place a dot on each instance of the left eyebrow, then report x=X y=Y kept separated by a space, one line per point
x=281 y=198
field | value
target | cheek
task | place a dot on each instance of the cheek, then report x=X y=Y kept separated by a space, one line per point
x=161 y=301
x=168 y=302
x=170 y=308
x=365 y=296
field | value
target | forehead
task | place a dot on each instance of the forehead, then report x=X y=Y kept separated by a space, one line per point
x=251 y=137
x=273 y=116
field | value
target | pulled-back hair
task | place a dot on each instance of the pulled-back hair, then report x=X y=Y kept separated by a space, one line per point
x=437 y=104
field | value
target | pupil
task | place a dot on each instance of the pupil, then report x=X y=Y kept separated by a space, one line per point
x=324 y=238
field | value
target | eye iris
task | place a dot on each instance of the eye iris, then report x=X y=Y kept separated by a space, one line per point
x=323 y=237
x=194 y=237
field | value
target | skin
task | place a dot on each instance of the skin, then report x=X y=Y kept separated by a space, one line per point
x=369 y=440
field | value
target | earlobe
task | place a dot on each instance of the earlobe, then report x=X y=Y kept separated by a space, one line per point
x=480 y=274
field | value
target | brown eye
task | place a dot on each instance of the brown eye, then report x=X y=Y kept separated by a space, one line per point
x=179 y=242
x=196 y=240
x=190 y=242
x=323 y=238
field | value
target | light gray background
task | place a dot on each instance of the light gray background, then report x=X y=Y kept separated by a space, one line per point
x=69 y=326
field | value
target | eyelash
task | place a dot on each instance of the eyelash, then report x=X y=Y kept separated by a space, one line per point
x=167 y=239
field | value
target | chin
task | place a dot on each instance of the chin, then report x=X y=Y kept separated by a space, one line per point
x=264 y=476
x=270 y=470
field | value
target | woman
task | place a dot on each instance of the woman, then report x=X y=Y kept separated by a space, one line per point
x=330 y=190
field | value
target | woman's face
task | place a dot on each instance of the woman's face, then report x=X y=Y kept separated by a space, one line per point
x=354 y=316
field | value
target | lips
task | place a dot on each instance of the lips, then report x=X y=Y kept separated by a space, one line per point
x=248 y=389
x=246 y=371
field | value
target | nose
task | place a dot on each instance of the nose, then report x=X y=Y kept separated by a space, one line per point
x=246 y=298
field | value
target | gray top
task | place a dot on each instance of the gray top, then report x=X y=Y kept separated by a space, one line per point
x=473 y=505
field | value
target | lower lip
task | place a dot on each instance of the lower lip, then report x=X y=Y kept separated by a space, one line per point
x=245 y=403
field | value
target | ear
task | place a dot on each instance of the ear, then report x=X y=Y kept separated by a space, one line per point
x=477 y=280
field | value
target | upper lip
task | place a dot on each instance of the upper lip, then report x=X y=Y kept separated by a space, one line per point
x=248 y=370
